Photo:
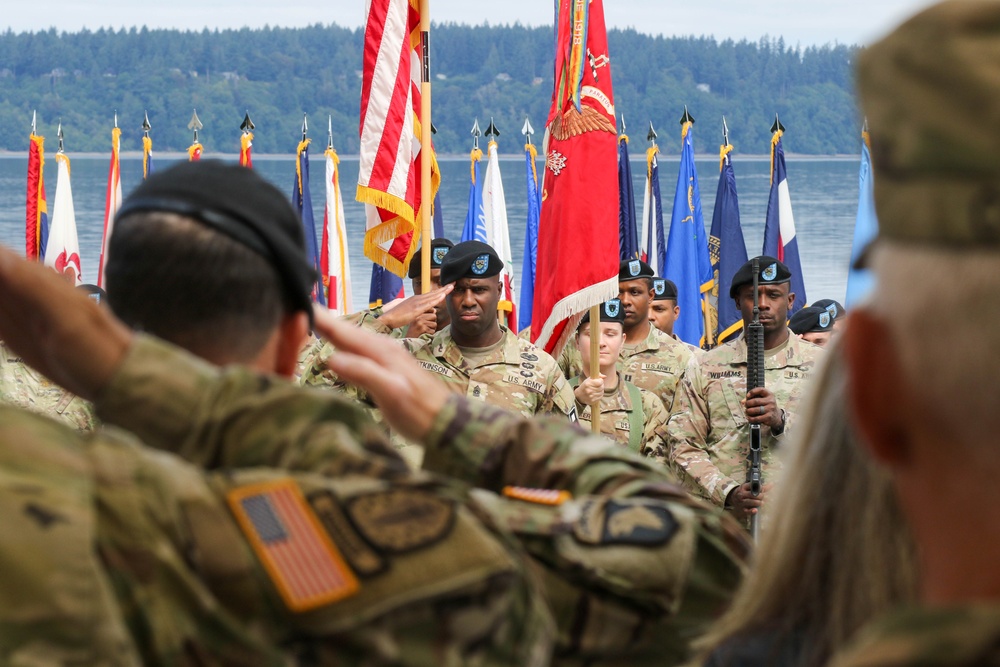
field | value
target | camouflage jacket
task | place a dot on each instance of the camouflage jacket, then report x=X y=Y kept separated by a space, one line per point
x=315 y=350
x=654 y=364
x=708 y=434
x=518 y=376
x=118 y=554
x=967 y=636
x=632 y=567
x=25 y=387
x=615 y=422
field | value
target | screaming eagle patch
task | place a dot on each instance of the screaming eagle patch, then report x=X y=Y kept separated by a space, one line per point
x=401 y=520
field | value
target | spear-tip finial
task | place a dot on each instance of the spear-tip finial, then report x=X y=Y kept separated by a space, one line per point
x=146 y=127
x=725 y=132
x=527 y=130
x=492 y=130
x=622 y=124
x=434 y=129
x=34 y=114
x=305 y=126
x=59 y=134
x=864 y=127
x=687 y=117
x=329 y=132
x=651 y=135
x=777 y=127
x=116 y=117
x=476 y=133
x=195 y=124
x=247 y=124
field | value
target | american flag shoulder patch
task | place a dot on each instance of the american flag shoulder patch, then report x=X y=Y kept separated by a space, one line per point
x=537 y=496
x=300 y=558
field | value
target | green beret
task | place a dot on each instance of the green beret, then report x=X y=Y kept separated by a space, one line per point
x=664 y=289
x=439 y=248
x=238 y=203
x=772 y=272
x=811 y=319
x=929 y=90
x=611 y=311
x=470 y=259
x=631 y=269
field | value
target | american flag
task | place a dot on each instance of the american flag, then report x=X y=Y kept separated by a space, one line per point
x=299 y=556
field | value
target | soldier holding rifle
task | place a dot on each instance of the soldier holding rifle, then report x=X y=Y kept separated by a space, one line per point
x=710 y=423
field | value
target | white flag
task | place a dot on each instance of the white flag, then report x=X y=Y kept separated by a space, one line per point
x=497 y=235
x=337 y=267
x=62 y=252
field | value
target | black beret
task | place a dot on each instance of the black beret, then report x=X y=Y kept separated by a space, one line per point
x=470 y=259
x=664 y=289
x=832 y=307
x=93 y=291
x=811 y=318
x=611 y=311
x=439 y=248
x=772 y=272
x=237 y=202
x=631 y=269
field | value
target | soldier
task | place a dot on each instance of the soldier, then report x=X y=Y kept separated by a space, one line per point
x=923 y=386
x=650 y=359
x=813 y=324
x=630 y=416
x=664 y=311
x=630 y=566
x=836 y=310
x=709 y=428
x=475 y=355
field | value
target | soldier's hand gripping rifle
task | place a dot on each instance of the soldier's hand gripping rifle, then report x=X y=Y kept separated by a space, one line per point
x=755 y=378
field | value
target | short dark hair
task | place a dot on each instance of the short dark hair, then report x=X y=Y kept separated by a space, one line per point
x=192 y=286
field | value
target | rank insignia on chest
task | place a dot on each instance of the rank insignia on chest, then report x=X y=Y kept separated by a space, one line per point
x=285 y=534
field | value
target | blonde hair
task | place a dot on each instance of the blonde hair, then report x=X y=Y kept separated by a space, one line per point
x=940 y=306
x=834 y=552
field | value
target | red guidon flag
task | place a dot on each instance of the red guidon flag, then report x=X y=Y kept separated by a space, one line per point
x=578 y=230
x=389 y=173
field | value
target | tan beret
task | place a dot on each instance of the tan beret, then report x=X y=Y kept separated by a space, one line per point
x=931 y=93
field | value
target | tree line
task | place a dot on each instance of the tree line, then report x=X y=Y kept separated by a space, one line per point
x=500 y=72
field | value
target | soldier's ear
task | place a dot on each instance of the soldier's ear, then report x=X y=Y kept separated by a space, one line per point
x=875 y=388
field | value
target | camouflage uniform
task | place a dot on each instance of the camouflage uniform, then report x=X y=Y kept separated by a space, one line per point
x=632 y=567
x=708 y=433
x=654 y=364
x=313 y=355
x=23 y=386
x=517 y=376
x=615 y=422
x=965 y=636
x=117 y=554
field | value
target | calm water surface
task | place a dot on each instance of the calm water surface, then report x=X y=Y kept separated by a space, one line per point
x=824 y=200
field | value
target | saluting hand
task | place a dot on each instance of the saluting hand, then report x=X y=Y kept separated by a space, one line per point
x=409 y=309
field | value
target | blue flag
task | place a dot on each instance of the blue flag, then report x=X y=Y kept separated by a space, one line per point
x=688 y=263
x=303 y=204
x=779 y=225
x=475 y=217
x=530 y=241
x=860 y=281
x=385 y=286
x=654 y=247
x=438 y=216
x=628 y=240
x=727 y=248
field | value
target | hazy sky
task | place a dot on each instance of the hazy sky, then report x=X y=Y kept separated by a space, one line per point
x=803 y=22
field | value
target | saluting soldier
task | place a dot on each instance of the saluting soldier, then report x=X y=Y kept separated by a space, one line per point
x=650 y=359
x=632 y=417
x=475 y=355
x=709 y=428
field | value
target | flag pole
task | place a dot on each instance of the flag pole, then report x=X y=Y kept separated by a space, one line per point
x=425 y=145
x=595 y=363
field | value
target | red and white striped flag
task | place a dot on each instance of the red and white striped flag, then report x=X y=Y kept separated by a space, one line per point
x=112 y=200
x=389 y=173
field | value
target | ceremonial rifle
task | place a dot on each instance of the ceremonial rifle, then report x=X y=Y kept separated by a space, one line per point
x=755 y=379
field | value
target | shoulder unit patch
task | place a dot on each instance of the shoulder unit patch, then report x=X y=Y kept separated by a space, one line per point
x=402 y=520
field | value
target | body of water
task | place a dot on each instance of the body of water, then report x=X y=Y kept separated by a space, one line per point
x=824 y=194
